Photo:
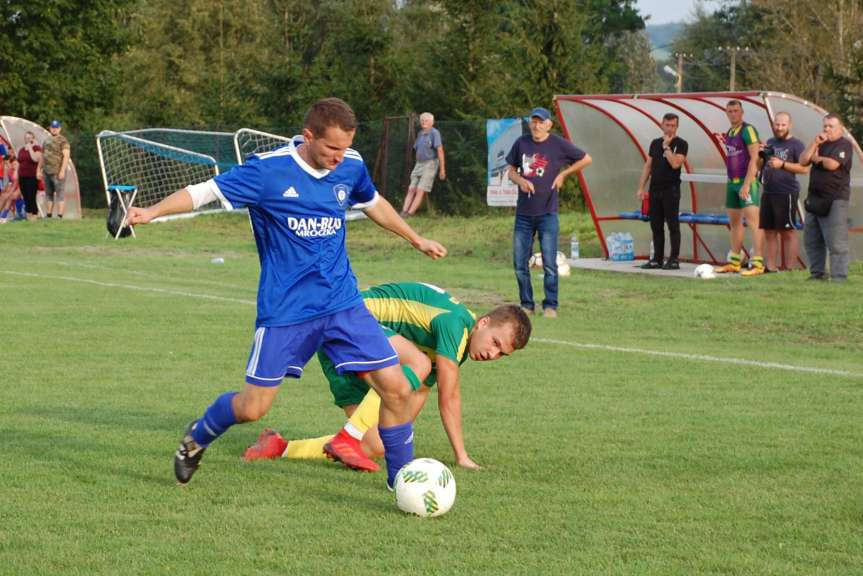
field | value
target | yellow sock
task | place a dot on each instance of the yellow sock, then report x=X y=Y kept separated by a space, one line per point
x=365 y=416
x=308 y=449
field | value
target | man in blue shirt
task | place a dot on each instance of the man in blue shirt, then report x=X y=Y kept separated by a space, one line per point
x=539 y=164
x=308 y=298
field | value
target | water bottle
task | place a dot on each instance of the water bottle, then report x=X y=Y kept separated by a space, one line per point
x=628 y=247
x=573 y=248
x=652 y=252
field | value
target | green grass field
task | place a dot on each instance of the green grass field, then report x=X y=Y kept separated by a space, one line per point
x=600 y=456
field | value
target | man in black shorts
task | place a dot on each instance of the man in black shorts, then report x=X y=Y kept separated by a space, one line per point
x=780 y=165
x=666 y=156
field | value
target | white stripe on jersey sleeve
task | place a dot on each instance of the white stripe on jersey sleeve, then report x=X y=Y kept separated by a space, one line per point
x=369 y=204
x=207 y=192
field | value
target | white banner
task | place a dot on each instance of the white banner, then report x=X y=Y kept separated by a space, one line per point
x=501 y=135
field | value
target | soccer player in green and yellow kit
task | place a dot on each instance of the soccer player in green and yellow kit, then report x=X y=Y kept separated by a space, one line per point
x=433 y=334
x=743 y=191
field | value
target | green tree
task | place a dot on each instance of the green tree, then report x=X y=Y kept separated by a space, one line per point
x=57 y=58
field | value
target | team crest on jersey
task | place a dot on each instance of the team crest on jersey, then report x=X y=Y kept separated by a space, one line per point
x=341 y=193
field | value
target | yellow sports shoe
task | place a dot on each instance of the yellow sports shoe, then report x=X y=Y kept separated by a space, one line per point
x=754 y=271
x=730 y=267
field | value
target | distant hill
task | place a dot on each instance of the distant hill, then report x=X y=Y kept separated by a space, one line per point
x=662 y=36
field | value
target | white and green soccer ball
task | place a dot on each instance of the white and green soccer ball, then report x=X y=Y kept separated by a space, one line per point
x=563 y=267
x=425 y=487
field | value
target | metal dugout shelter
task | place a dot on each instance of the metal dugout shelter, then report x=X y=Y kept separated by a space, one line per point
x=616 y=130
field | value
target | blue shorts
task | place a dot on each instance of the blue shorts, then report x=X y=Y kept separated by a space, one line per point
x=352 y=338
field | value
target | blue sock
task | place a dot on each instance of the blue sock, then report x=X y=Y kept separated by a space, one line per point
x=215 y=421
x=398 y=448
x=4 y=213
x=19 y=208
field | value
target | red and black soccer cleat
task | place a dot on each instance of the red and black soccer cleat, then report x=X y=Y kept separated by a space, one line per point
x=346 y=449
x=269 y=444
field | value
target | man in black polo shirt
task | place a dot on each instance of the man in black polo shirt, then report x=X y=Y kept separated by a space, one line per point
x=666 y=156
x=826 y=227
x=781 y=165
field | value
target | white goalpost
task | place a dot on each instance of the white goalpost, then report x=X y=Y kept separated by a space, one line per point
x=155 y=169
x=248 y=142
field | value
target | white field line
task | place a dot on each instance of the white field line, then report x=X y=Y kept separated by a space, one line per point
x=702 y=358
x=195 y=295
x=603 y=347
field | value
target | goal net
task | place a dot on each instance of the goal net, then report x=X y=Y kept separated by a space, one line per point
x=218 y=145
x=154 y=168
x=248 y=142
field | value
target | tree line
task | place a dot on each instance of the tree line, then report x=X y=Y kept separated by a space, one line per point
x=225 y=64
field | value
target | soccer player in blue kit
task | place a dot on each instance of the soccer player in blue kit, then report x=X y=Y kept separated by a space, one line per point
x=308 y=297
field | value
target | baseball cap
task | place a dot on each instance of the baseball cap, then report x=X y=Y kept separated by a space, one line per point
x=55 y=124
x=540 y=113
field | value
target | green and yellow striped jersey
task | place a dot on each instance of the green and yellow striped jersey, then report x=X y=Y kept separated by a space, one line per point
x=430 y=317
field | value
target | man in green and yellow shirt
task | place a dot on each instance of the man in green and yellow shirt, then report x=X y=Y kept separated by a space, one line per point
x=433 y=334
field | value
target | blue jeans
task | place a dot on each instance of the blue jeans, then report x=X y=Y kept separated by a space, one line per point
x=547 y=227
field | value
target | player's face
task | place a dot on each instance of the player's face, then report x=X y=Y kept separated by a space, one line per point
x=327 y=151
x=735 y=114
x=490 y=341
x=781 y=126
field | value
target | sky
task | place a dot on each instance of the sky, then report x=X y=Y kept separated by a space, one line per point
x=664 y=11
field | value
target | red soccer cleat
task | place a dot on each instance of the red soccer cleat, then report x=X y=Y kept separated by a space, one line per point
x=269 y=444
x=346 y=449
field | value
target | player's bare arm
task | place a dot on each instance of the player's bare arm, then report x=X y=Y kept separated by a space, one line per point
x=752 y=169
x=449 y=404
x=179 y=201
x=384 y=215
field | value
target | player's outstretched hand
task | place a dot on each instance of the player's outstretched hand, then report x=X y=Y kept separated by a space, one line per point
x=431 y=248
x=137 y=216
x=466 y=462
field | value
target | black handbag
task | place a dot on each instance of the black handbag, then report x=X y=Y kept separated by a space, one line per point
x=818 y=205
x=116 y=214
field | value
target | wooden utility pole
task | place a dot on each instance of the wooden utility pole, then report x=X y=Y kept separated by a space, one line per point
x=733 y=50
x=679 y=72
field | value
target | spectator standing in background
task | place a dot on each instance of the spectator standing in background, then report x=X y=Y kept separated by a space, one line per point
x=28 y=161
x=539 y=164
x=430 y=161
x=826 y=227
x=780 y=167
x=667 y=154
x=53 y=167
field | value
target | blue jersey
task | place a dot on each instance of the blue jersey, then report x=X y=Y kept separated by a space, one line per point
x=298 y=217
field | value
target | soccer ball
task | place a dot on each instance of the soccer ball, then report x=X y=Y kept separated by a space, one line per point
x=704 y=271
x=563 y=268
x=535 y=260
x=425 y=487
